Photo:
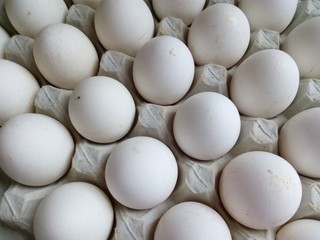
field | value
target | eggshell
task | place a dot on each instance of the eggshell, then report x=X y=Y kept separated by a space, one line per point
x=163 y=70
x=186 y=10
x=206 y=126
x=220 y=34
x=17 y=92
x=265 y=84
x=29 y=16
x=101 y=109
x=141 y=172
x=306 y=229
x=192 y=220
x=123 y=25
x=302 y=44
x=74 y=211
x=299 y=142
x=35 y=149
x=4 y=39
x=272 y=14
x=260 y=190
x=64 y=55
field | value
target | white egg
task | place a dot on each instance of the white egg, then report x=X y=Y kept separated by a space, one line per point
x=101 y=109
x=306 y=229
x=18 y=90
x=123 y=25
x=265 y=84
x=4 y=40
x=64 y=55
x=91 y=3
x=186 y=10
x=35 y=149
x=29 y=16
x=220 y=34
x=299 y=142
x=206 y=126
x=190 y=221
x=271 y=14
x=260 y=190
x=163 y=70
x=74 y=211
x=302 y=44
x=141 y=172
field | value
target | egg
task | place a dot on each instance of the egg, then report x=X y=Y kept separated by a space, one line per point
x=141 y=172
x=163 y=70
x=265 y=84
x=260 y=190
x=273 y=15
x=186 y=10
x=35 y=149
x=64 y=55
x=91 y=3
x=206 y=126
x=220 y=34
x=4 y=40
x=306 y=229
x=74 y=211
x=18 y=90
x=123 y=25
x=191 y=220
x=101 y=109
x=298 y=142
x=302 y=44
x=28 y=17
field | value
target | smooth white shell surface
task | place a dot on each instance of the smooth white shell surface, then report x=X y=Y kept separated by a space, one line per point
x=163 y=70
x=29 y=16
x=220 y=34
x=265 y=84
x=74 y=211
x=4 y=39
x=302 y=44
x=18 y=90
x=64 y=55
x=35 y=149
x=186 y=10
x=299 y=142
x=306 y=229
x=271 y=14
x=206 y=126
x=124 y=25
x=101 y=109
x=191 y=220
x=141 y=172
x=260 y=190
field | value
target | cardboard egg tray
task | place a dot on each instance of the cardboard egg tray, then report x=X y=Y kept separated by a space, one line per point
x=198 y=180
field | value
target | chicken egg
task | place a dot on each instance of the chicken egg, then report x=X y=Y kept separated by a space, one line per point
x=35 y=149
x=299 y=142
x=101 y=109
x=220 y=34
x=141 y=172
x=306 y=229
x=64 y=55
x=260 y=190
x=123 y=25
x=4 y=39
x=206 y=126
x=163 y=70
x=302 y=44
x=271 y=14
x=18 y=90
x=186 y=10
x=29 y=16
x=74 y=211
x=191 y=220
x=265 y=84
